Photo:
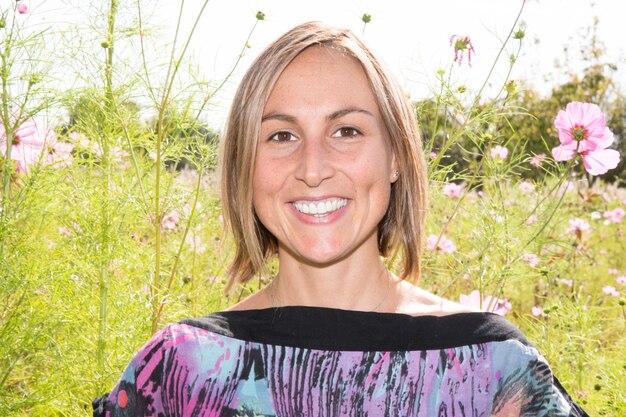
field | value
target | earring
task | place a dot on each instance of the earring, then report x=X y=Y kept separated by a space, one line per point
x=396 y=173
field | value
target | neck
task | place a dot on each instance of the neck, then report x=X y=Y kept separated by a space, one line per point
x=346 y=285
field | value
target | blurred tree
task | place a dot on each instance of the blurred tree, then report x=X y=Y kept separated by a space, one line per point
x=189 y=142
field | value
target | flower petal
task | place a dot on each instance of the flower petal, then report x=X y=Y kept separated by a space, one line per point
x=592 y=117
x=599 y=162
x=600 y=140
x=564 y=126
x=563 y=153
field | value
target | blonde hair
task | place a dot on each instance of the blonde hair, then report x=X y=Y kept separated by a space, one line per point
x=402 y=227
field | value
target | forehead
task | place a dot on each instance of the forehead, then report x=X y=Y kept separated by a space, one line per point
x=318 y=75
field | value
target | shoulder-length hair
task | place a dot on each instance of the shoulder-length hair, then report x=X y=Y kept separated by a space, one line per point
x=401 y=230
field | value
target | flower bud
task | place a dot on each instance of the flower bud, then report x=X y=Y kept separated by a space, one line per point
x=34 y=78
x=260 y=15
x=510 y=86
x=366 y=18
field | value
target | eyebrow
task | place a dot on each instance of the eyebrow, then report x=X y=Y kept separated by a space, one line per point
x=340 y=113
x=333 y=116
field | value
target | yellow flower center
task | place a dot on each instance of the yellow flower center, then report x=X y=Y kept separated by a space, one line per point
x=461 y=44
x=579 y=133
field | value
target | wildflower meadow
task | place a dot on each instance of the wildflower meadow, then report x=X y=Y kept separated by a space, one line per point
x=110 y=218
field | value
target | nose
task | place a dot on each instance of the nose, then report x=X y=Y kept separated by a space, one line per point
x=314 y=162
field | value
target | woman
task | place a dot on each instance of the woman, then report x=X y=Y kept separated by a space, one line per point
x=322 y=166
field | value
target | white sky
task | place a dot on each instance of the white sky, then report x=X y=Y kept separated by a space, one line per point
x=411 y=36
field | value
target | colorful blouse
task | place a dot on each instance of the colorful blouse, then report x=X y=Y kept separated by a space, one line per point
x=310 y=361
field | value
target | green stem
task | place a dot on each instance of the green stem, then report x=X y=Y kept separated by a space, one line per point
x=143 y=53
x=109 y=57
x=8 y=132
x=103 y=279
x=495 y=61
x=5 y=70
x=433 y=132
x=174 y=65
x=552 y=212
x=183 y=238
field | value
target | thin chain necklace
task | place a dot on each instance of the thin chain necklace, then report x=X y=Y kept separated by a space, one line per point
x=275 y=301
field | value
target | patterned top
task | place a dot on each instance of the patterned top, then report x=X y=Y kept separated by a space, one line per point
x=310 y=361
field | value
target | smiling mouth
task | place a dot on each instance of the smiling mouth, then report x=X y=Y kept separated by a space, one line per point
x=320 y=208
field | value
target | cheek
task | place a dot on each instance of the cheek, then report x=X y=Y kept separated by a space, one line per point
x=265 y=190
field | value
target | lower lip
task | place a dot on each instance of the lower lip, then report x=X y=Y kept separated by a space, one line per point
x=320 y=220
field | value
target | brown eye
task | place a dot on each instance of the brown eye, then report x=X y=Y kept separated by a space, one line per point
x=347 y=132
x=282 y=137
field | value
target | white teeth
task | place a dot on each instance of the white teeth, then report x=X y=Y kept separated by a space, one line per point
x=320 y=208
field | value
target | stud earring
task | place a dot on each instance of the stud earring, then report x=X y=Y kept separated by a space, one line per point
x=396 y=173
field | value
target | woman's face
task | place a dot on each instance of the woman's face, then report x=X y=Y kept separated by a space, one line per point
x=324 y=164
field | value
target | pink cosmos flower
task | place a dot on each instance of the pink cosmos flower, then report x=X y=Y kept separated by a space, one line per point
x=567 y=282
x=609 y=290
x=441 y=245
x=621 y=280
x=488 y=304
x=82 y=142
x=170 y=220
x=499 y=152
x=27 y=146
x=64 y=231
x=452 y=190
x=462 y=44
x=615 y=215
x=613 y=271
x=532 y=259
x=120 y=156
x=22 y=8
x=532 y=219
x=60 y=154
x=578 y=226
x=34 y=144
x=526 y=187
x=537 y=160
x=582 y=130
x=537 y=311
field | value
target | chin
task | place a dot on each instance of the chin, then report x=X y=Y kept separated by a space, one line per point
x=319 y=258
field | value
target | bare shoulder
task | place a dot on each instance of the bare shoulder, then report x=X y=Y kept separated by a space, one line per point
x=415 y=301
x=256 y=301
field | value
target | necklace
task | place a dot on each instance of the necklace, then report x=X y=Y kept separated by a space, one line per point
x=275 y=302
x=382 y=300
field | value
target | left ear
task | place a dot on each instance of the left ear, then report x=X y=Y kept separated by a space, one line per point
x=395 y=170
